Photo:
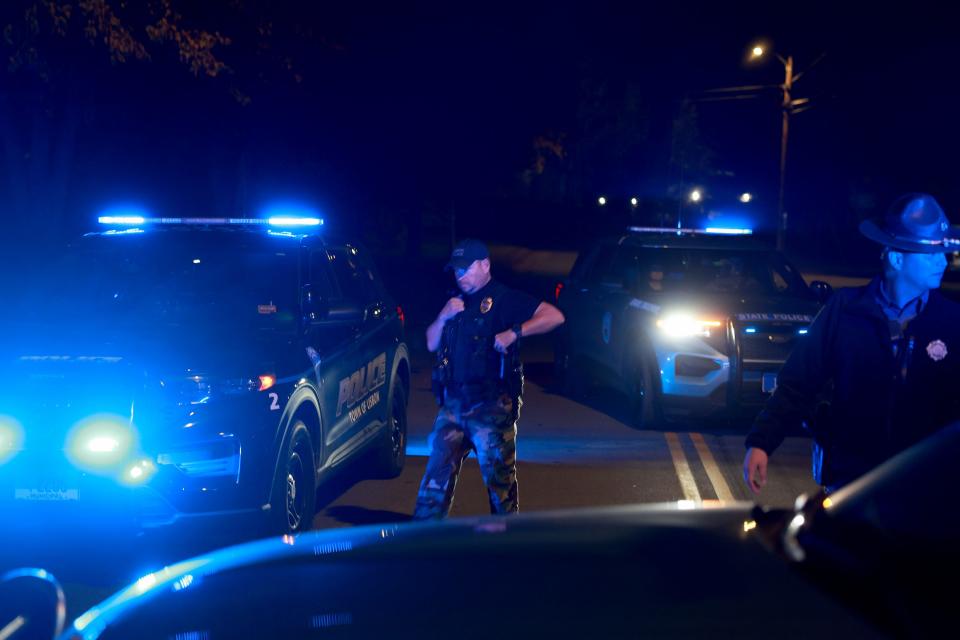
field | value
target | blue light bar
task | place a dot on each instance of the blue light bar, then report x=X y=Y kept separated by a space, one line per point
x=121 y=220
x=291 y=221
x=750 y=330
x=276 y=221
x=687 y=231
x=803 y=332
x=725 y=231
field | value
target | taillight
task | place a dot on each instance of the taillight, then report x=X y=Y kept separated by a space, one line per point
x=403 y=318
x=556 y=293
x=267 y=381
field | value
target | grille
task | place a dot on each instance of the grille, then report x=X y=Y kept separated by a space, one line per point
x=769 y=344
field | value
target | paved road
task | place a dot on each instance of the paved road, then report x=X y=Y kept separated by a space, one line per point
x=576 y=454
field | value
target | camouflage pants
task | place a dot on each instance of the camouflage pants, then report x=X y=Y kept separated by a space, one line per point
x=489 y=429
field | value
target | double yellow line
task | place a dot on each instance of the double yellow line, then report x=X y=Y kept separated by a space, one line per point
x=687 y=482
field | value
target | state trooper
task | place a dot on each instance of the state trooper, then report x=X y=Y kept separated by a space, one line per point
x=879 y=368
x=478 y=382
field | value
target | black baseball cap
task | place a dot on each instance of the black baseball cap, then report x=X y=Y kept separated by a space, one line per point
x=466 y=252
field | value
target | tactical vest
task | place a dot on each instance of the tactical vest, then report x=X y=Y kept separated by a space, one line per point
x=478 y=370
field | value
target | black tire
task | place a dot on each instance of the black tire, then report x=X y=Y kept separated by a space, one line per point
x=294 y=500
x=644 y=407
x=391 y=454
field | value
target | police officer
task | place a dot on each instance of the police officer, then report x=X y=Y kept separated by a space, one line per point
x=879 y=368
x=480 y=382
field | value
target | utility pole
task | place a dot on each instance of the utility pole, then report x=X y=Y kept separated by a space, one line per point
x=785 y=107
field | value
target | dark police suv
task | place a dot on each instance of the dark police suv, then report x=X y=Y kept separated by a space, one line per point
x=188 y=367
x=684 y=321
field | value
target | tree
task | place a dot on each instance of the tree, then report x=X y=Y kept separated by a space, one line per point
x=599 y=148
x=74 y=65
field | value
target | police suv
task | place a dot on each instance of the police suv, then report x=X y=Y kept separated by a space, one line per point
x=683 y=321
x=170 y=368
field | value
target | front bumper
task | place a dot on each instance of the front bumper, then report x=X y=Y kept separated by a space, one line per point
x=735 y=369
x=40 y=488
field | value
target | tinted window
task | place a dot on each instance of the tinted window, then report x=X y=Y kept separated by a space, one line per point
x=320 y=278
x=599 y=268
x=708 y=271
x=176 y=280
x=356 y=279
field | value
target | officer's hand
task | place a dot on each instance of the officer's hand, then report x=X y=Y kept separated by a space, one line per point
x=755 y=469
x=503 y=340
x=452 y=308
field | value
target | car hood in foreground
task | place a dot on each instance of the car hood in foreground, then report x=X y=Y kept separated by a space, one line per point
x=630 y=571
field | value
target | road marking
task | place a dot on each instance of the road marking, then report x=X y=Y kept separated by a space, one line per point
x=713 y=470
x=687 y=483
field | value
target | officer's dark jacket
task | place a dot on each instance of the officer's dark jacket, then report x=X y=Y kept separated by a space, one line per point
x=491 y=310
x=862 y=403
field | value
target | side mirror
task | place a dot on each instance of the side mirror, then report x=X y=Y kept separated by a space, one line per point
x=822 y=290
x=32 y=605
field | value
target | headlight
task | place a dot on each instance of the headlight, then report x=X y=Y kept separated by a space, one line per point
x=138 y=472
x=11 y=438
x=100 y=442
x=683 y=325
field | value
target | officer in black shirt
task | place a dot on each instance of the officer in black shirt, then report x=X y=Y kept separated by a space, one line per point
x=478 y=381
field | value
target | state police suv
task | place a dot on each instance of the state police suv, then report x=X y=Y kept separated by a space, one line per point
x=683 y=321
x=188 y=367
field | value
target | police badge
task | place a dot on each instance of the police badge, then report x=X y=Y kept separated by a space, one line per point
x=937 y=350
x=486 y=304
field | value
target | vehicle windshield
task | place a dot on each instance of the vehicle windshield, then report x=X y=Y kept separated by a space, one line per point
x=170 y=280
x=659 y=270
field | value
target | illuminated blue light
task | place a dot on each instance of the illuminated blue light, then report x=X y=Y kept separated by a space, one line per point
x=803 y=332
x=274 y=221
x=123 y=214
x=750 y=330
x=121 y=219
x=680 y=231
x=291 y=221
x=728 y=231
x=291 y=213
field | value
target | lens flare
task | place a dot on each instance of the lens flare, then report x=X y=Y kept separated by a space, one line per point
x=11 y=438
x=100 y=442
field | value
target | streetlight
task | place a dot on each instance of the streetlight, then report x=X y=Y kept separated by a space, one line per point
x=696 y=195
x=746 y=197
x=601 y=201
x=787 y=106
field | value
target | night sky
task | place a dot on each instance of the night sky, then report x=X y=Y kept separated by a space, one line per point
x=376 y=114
